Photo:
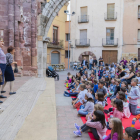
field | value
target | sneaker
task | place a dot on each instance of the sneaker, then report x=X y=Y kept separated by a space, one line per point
x=11 y=93
x=76 y=126
x=77 y=133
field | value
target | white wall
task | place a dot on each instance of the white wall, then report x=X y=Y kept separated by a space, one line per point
x=96 y=28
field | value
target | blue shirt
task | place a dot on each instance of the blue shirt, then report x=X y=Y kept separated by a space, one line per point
x=95 y=88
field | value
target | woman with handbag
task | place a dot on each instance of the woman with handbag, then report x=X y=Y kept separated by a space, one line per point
x=9 y=74
x=2 y=67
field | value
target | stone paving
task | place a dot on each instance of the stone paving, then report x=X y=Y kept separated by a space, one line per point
x=19 y=81
x=66 y=115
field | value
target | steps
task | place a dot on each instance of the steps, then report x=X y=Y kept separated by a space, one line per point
x=17 y=107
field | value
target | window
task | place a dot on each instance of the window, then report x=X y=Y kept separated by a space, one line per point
x=67 y=37
x=55 y=35
x=138 y=34
x=110 y=11
x=1 y=34
x=110 y=36
x=83 y=14
x=66 y=54
x=138 y=11
x=83 y=37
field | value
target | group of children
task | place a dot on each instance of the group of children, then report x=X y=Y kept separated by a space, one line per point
x=91 y=98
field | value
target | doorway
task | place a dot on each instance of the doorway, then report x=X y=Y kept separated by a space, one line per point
x=55 y=57
x=87 y=57
x=110 y=56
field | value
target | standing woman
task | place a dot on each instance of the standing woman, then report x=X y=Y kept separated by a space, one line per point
x=9 y=74
x=2 y=66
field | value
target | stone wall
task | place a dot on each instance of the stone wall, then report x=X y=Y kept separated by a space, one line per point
x=128 y=56
x=18 y=20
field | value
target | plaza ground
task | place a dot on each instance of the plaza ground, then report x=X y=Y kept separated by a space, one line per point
x=39 y=111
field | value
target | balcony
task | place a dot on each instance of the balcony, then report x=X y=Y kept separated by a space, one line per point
x=110 y=42
x=83 y=19
x=111 y=17
x=82 y=42
x=55 y=43
x=139 y=15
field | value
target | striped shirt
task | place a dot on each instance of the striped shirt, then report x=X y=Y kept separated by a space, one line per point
x=9 y=59
x=2 y=57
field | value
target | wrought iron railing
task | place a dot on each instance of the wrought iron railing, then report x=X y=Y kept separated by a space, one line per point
x=56 y=43
x=82 y=42
x=111 y=16
x=83 y=19
x=110 y=42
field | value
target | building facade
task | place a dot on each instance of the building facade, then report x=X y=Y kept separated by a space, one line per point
x=56 y=47
x=97 y=29
x=131 y=29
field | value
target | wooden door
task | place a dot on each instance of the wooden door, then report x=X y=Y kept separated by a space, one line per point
x=138 y=54
x=110 y=56
x=87 y=57
x=110 y=11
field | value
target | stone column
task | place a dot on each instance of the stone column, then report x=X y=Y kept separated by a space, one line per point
x=11 y=22
x=33 y=33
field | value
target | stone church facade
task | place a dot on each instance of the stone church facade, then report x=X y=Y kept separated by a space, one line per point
x=24 y=24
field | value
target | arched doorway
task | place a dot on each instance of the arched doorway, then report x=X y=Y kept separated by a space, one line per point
x=55 y=57
x=86 y=54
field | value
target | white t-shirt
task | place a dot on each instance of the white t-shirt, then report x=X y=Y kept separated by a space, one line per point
x=138 y=79
x=75 y=64
x=81 y=95
x=113 y=71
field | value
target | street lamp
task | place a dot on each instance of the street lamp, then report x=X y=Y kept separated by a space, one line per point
x=73 y=13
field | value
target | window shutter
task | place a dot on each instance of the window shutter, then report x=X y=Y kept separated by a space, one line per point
x=110 y=11
x=83 y=37
x=138 y=34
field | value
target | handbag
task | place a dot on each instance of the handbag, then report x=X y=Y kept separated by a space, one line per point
x=1 y=78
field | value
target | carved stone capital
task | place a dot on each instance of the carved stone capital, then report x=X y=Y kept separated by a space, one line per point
x=46 y=40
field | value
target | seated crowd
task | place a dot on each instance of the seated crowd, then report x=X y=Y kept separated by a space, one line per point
x=117 y=82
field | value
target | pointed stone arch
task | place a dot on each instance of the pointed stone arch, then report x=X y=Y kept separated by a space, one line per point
x=86 y=53
x=45 y=20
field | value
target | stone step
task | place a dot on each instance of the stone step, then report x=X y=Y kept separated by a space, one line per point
x=17 y=107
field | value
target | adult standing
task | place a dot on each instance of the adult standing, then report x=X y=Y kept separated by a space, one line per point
x=100 y=60
x=9 y=74
x=84 y=62
x=124 y=61
x=2 y=66
x=95 y=62
x=90 y=63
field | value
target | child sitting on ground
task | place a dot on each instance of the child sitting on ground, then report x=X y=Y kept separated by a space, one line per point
x=112 y=88
x=100 y=72
x=116 y=130
x=81 y=97
x=73 y=92
x=68 y=74
x=133 y=96
x=95 y=82
x=124 y=84
x=130 y=134
x=101 y=88
x=117 y=88
x=85 y=77
x=138 y=77
x=96 y=107
x=99 y=96
x=89 y=105
x=118 y=111
x=96 y=125
x=126 y=111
